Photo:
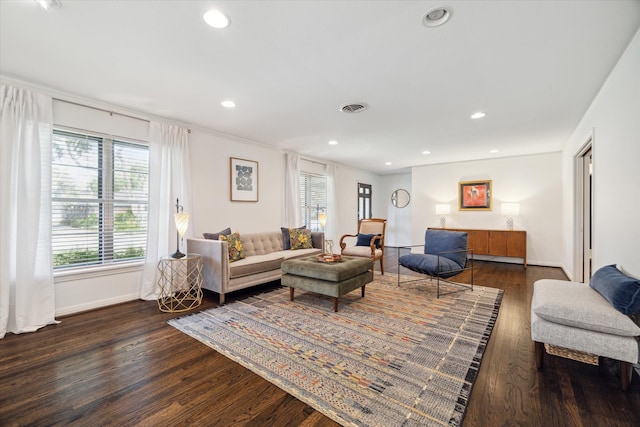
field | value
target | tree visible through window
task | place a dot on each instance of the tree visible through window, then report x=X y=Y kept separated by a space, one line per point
x=99 y=199
x=313 y=199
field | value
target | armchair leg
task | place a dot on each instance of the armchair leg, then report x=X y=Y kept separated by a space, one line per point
x=381 y=266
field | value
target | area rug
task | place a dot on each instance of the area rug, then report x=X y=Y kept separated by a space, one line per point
x=399 y=356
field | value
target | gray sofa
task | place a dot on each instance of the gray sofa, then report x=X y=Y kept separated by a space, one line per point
x=264 y=254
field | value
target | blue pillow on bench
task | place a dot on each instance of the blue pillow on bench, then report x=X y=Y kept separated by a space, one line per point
x=622 y=291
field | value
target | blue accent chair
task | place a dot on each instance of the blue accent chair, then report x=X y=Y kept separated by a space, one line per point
x=446 y=254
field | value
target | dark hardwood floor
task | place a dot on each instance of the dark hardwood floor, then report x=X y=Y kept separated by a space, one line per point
x=123 y=365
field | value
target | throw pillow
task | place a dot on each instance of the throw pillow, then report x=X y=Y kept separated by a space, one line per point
x=286 y=237
x=300 y=238
x=216 y=236
x=365 y=240
x=622 y=291
x=234 y=244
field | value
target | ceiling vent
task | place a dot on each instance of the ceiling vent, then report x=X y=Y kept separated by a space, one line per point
x=353 y=108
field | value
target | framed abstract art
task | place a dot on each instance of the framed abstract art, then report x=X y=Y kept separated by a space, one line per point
x=474 y=195
x=244 y=180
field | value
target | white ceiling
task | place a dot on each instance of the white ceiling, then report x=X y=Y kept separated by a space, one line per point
x=532 y=66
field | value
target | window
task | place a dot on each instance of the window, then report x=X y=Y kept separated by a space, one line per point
x=99 y=199
x=313 y=199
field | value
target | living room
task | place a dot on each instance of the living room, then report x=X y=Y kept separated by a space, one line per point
x=543 y=183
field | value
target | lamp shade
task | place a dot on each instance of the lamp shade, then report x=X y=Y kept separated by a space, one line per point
x=182 y=222
x=511 y=209
x=443 y=209
x=322 y=217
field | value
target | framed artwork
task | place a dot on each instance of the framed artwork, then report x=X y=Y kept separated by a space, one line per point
x=474 y=196
x=244 y=180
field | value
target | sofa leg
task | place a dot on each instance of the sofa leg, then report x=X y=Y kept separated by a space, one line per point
x=363 y=290
x=221 y=299
x=335 y=304
x=539 y=351
x=291 y=290
x=625 y=375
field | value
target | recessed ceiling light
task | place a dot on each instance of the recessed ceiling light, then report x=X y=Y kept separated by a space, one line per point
x=478 y=115
x=333 y=142
x=494 y=151
x=436 y=16
x=49 y=4
x=388 y=164
x=228 y=104
x=426 y=152
x=216 y=19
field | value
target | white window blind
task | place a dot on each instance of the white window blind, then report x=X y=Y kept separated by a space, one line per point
x=313 y=199
x=99 y=199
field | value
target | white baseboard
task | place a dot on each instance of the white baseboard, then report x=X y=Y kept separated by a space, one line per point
x=65 y=311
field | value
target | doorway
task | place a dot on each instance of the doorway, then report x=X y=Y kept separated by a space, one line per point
x=364 y=201
x=584 y=212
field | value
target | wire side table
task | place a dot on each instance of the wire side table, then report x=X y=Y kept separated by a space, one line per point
x=180 y=283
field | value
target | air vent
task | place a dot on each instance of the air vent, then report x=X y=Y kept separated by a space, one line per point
x=353 y=108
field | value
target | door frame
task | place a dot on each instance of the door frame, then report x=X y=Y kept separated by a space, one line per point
x=583 y=211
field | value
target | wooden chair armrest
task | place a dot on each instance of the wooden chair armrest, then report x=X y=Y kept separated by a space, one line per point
x=342 y=244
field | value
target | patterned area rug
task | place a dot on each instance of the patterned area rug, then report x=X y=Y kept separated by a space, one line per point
x=399 y=356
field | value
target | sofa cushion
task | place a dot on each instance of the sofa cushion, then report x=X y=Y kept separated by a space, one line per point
x=216 y=236
x=622 y=291
x=436 y=241
x=428 y=264
x=300 y=238
x=234 y=245
x=365 y=240
x=577 y=305
x=286 y=237
x=255 y=264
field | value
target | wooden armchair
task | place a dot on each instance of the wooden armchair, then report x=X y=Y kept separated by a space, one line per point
x=369 y=240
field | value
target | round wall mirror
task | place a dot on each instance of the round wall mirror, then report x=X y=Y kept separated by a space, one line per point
x=400 y=198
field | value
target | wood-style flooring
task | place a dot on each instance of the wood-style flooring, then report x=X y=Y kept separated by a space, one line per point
x=123 y=365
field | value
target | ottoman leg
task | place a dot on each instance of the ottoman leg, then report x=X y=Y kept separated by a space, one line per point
x=335 y=304
x=539 y=349
x=291 y=293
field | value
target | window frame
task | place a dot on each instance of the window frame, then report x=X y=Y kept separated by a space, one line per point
x=107 y=264
x=305 y=205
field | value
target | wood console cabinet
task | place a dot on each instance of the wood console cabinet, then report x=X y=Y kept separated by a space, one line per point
x=507 y=243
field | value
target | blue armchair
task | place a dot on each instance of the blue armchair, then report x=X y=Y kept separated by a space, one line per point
x=446 y=254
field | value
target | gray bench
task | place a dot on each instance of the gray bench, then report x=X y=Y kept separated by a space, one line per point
x=333 y=279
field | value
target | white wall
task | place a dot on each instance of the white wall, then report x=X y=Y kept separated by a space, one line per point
x=398 y=231
x=535 y=182
x=614 y=120
x=212 y=208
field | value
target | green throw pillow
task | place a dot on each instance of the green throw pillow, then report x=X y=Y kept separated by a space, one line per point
x=236 y=250
x=300 y=238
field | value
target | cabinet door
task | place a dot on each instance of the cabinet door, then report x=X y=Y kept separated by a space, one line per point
x=498 y=243
x=517 y=244
x=479 y=241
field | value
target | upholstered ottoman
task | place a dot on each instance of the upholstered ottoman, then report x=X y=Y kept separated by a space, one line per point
x=333 y=279
x=574 y=316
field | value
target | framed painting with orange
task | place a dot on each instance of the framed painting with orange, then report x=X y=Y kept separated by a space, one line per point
x=474 y=196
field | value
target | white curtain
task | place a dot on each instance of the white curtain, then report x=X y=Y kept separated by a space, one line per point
x=332 y=228
x=26 y=272
x=291 y=191
x=169 y=179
